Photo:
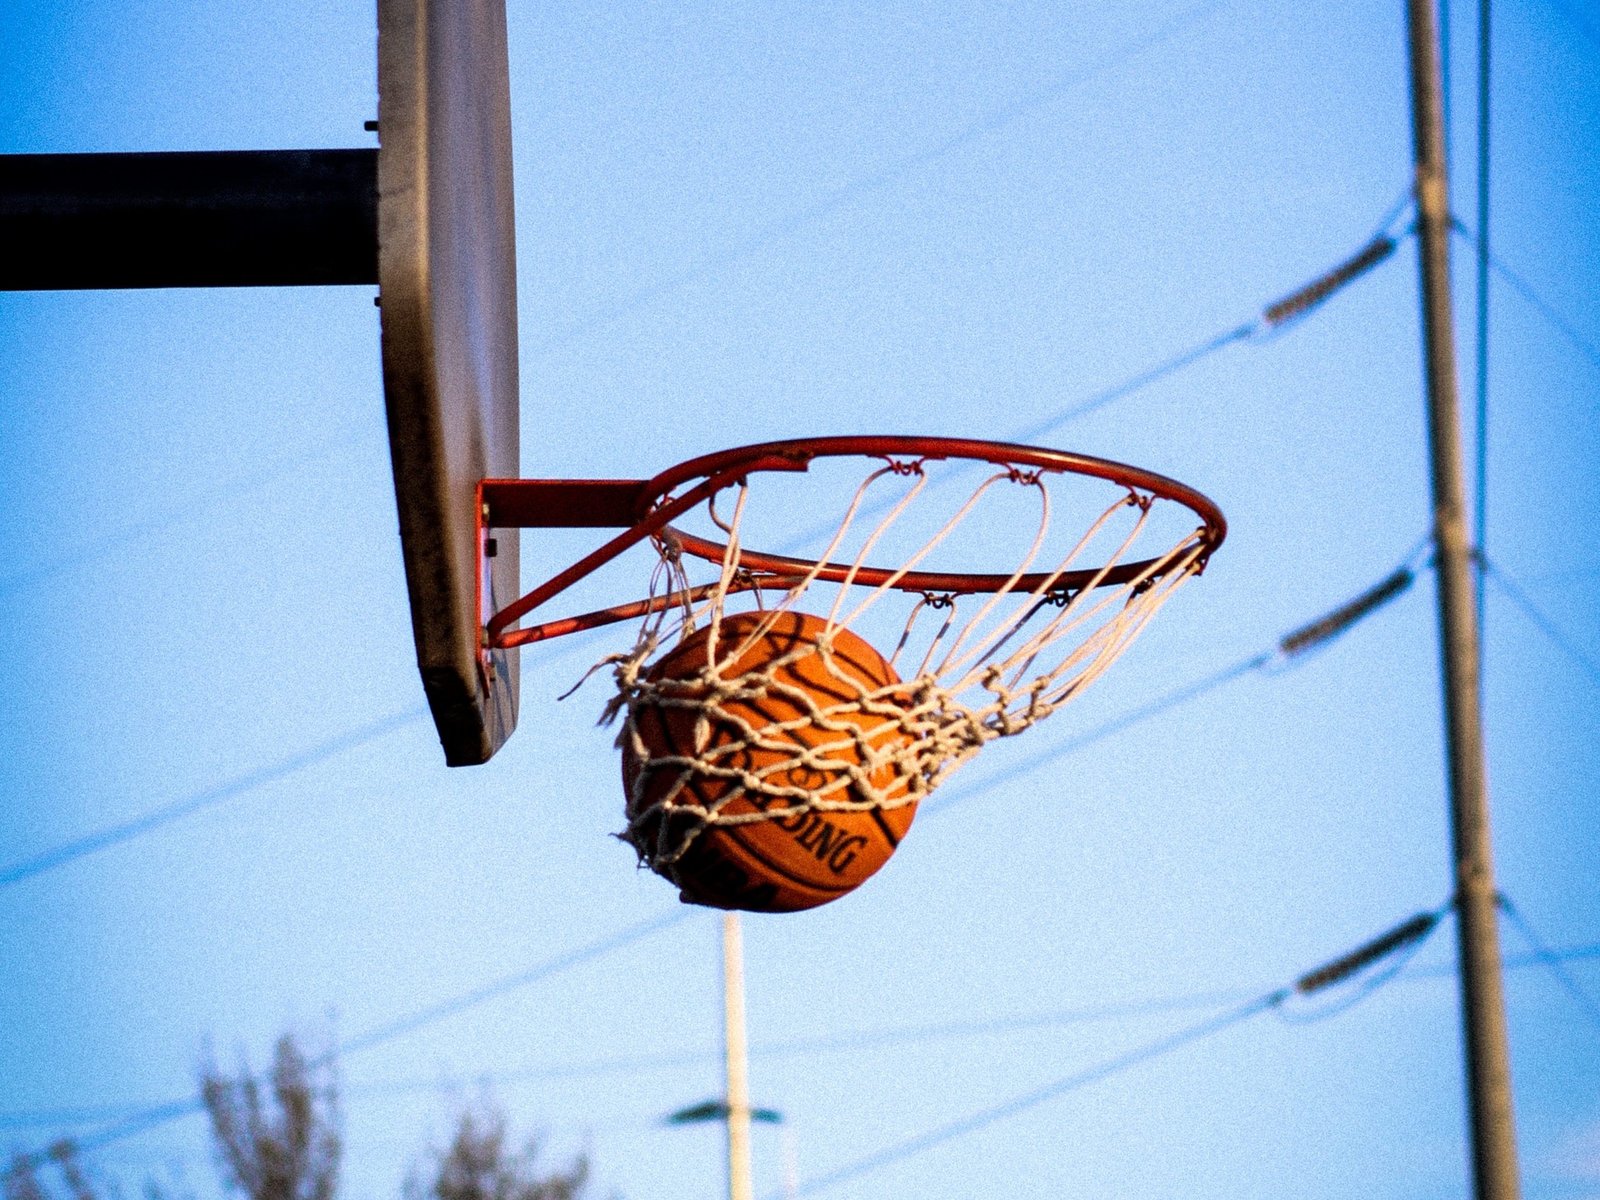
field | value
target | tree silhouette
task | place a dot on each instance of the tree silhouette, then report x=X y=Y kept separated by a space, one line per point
x=480 y=1165
x=278 y=1138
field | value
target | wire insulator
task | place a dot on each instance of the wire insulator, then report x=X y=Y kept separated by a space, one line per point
x=1331 y=626
x=1303 y=301
x=1414 y=930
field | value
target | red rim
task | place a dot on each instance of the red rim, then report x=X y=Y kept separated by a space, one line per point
x=798 y=454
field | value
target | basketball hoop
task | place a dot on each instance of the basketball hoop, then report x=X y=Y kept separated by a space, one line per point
x=779 y=735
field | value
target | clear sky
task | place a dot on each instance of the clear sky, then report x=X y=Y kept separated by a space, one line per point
x=744 y=222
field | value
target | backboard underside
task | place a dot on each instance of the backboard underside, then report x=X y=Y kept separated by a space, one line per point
x=447 y=289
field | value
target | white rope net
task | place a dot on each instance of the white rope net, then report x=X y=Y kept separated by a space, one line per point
x=965 y=669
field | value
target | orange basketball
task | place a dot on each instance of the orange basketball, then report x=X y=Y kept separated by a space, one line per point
x=786 y=863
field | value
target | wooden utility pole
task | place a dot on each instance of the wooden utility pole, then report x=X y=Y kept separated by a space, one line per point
x=1494 y=1147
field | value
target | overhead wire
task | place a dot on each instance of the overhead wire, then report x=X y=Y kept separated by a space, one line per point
x=845 y=1041
x=1481 y=361
x=1010 y=1108
x=884 y=177
x=607 y=315
x=1271 y=321
x=1290 y=646
x=1550 y=960
x=1286 y=651
x=164 y=1113
x=113 y=538
x=1408 y=935
x=1273 y=318
x=186 y=806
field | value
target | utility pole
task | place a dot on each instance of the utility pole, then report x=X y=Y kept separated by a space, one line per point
x=740 y=1185
x=1494 y=1148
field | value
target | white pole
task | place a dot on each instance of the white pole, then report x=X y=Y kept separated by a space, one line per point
x=791 y=1163
x=740 y=1184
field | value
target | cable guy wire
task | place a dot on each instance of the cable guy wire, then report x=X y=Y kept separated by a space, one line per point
x=1525 y=290
x=1371 y=952
x=67 y=852
x=1508 y=587
x=1550 y=960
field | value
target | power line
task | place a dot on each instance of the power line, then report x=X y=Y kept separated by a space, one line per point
x=1550 y=960
x=90 y=843
x=607 y=315
x=1406 y=935
x=877 y=181
x=848 y=1040
x=1274 y=318
x=1290 y=647
x=165 y=1113
x=1010 y=1108
x=111 y=539
x=449 y=1008
x=115 y=835
x=1508 y=588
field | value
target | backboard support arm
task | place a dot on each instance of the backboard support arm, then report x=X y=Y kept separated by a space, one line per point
x=242 y=218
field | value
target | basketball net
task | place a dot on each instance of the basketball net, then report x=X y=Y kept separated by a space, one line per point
x=981 y=666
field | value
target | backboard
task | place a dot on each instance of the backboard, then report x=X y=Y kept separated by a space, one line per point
x=448 y=297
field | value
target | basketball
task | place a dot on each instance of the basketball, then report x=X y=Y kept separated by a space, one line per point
x=785 y=863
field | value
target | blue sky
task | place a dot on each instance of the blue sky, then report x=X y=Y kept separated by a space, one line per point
x=738 y=223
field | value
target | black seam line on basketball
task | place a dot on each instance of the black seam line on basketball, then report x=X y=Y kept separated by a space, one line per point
x=778 y=634
x=693 y=787
x=770 y=719
x=883 y=825
x=834 y=687
x=734 y=834
x=731 y=831
x=877 y=811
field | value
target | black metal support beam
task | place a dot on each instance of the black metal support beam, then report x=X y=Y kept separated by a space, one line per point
x=252 y=218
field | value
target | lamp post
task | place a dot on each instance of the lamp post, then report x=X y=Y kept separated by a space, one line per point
x=735 y=1111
